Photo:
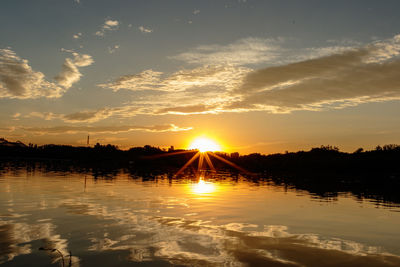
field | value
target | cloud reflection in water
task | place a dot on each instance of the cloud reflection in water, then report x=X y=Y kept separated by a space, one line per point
x=195 y=242
x=173 y=222
x=16 y=239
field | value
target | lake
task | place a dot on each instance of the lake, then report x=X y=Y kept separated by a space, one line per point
x=220 y=219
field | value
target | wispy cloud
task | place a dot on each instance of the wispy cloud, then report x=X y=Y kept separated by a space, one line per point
x=145 y=80
x=251 y=51
x=18 y=80
x=187 y=110
x=42 y=115
x=104 y=129
x=70 y=73
x=244 y=51
x=87 y=116
x=193 y=91
x=162 y=107
x=145 y=30
x=99 y=114
x=225 y=77
x=109 y=25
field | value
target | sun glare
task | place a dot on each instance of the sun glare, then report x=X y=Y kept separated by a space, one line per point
x=203 y=187
x=204 y=144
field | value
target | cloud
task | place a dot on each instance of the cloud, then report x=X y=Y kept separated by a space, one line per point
x=18 y=80
x=330 y=77
x=365 y=74
x=251 y=51
x=384 y=50
x=244 y=51
x=109 y=25
x=42 y=115
x=112 y=49
x=145 y=80
x=105 y=129
x=99 y=114
x=219 y=77
x=70 y=73
x=341 y=77
x=77 y=35
x=186 y=110
x=130 y=110
x=82 y=60
x=145 y=30
x=87 y=116
x=194 y=91
x=196 y=11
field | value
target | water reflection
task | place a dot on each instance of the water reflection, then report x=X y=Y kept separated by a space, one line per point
x=203 y=187
x=195 y=242
x=16 y=238
x=215 y=220
x=382 y=194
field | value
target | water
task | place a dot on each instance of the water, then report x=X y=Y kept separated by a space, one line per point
x=219 y=220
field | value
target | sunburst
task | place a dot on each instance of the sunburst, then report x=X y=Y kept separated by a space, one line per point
x=205 y=148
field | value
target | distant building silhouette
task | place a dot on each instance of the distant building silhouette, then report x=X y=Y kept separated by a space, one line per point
x=171 y=149
x=235 y=155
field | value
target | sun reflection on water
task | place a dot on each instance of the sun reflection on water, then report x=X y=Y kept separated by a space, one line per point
x=203 y=187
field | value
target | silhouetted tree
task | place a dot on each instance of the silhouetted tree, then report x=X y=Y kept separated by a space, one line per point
x=359 y=150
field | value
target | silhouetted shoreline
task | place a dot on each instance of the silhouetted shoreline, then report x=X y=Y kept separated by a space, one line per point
x=324 y=171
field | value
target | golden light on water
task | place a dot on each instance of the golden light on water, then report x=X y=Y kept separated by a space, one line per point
x=204 y=144
x=203 y=187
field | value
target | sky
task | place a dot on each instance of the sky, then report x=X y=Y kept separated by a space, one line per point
x=256 y=76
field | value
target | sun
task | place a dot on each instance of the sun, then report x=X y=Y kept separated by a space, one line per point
x=204 y=144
